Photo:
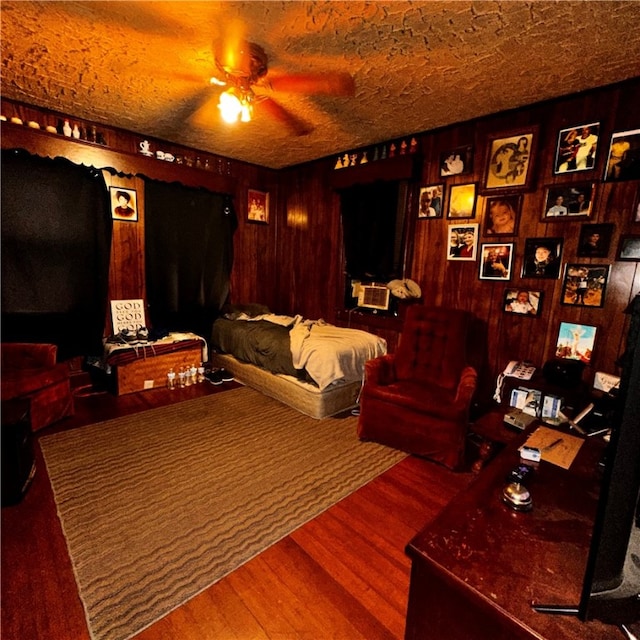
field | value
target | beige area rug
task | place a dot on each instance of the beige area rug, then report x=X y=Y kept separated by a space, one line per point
x=159 y=505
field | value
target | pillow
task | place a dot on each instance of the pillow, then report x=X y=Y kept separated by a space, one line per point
x=252 y=309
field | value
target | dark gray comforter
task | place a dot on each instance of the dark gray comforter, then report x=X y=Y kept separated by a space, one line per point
x=257 y=342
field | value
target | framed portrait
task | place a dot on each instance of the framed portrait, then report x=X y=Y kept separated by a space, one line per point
x=585 y=285
x=431 y=201
x=495 y=261
x=257 y=206
x=542 y=258
x=456 y=162
x=595 y=240
x=502 y=214
x=463 y=241
x=570 y=200
x=577 y=148
x=462 y=200
x=523 y=301
x=575 y=341
x=623 y=160
x=124 y=204
x=629 y=248
x=509 y=160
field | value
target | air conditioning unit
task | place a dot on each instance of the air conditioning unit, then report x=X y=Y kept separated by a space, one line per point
x=374 y=296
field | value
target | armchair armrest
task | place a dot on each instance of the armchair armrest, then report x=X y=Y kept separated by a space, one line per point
x=381 y=370
x=26 y=355
x=466 y=386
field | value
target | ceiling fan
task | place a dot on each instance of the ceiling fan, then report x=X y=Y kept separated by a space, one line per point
x=243 y=66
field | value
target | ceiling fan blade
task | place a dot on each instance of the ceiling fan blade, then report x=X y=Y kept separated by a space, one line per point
x=296 y=125
x=335 y=84
x=206 y=110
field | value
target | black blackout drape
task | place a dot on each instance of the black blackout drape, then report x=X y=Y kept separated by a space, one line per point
x=56 y=239
x=189 y=255
x=369 y=215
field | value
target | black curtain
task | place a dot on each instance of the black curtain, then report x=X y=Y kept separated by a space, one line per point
x=369 y=219
x=189 y=255
x=56 y=240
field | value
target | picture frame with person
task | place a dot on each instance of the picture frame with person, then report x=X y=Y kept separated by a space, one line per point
x=431 y=201
x=576 y=341
x=257 y=206
x=542 y=258
x=502 y=215
x=523 y=301
x=623 y=160
x=462 y=241
x=595 y=240
x=456 y=162
x=577 y=148
x=584 y=285
x=495 y=261
x=569 y=201
x=124 y=204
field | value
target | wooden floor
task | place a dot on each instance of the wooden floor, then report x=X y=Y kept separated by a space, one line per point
x=344 y=575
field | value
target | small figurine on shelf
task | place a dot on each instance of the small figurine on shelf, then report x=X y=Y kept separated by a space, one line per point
x=201 y=373
x=75 y=132
x=364 y=159
x=171 y=379
x=66 y=129
x=392 y=150
x=413 y=147
x=376 y=155
x=354 y=159
x=338 y=163
x=345 y=160
x=384 y=152
x=403 y=147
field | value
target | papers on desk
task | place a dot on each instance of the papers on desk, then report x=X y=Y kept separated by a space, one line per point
x=555 y=447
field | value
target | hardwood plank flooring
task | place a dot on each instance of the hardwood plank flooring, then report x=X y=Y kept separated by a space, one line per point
x=343 y=575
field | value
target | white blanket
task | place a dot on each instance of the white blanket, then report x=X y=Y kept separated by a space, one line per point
x=331 y=353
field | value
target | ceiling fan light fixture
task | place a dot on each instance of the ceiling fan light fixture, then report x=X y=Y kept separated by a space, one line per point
x=230 y=105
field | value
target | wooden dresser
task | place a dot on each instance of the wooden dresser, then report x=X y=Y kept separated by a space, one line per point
x=479 y=566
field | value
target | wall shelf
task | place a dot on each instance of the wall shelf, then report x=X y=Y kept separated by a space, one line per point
x=50 y=145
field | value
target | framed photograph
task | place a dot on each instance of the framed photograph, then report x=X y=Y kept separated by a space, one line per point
x=462 y=200
x=495 y=262
x=463 y=241
x=509 y=160
x=456 y=162
x=257 y=206
x=629 y=248
x=570 y=200
x=542 y=257
x=623 y=161
x=575 y=341
x=522 y=301
x=431 y=201
x=585 y=285
x=124 y=204
x=595 y=240
x=502 y=214
x=577 y=148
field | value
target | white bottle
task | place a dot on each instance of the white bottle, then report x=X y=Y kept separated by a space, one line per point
x=76 y=132
x=66 y=129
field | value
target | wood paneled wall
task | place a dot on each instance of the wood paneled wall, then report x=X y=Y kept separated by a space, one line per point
x=316 y=282
x=295 y=264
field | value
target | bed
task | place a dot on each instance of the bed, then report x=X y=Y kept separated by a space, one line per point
x=311 y=365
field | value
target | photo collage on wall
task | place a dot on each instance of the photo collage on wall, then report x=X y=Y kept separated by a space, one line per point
x=508 y=175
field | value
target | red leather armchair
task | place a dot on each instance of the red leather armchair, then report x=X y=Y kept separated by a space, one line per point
x=30 y=371
x=418 y=399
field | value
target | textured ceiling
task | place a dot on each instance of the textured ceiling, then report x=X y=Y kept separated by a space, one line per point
x=143 y=66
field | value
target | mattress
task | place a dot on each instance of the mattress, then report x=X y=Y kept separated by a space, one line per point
x=302 y=396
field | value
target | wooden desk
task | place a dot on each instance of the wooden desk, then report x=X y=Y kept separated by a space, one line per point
x=477 y=568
